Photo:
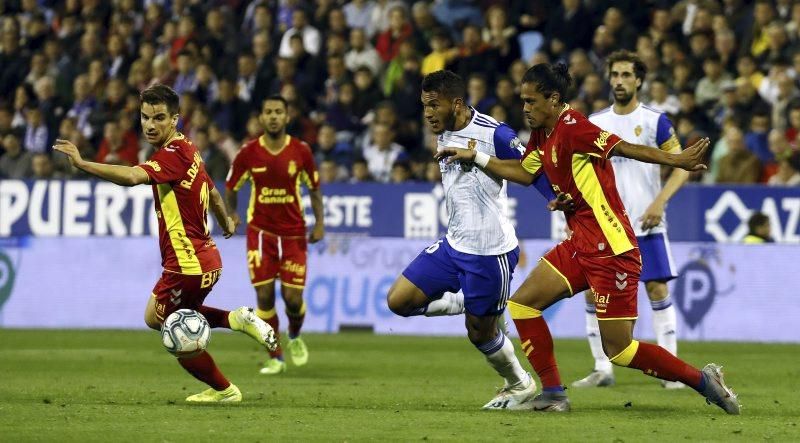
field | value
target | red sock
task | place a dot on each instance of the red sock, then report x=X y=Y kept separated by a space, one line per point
x=296 y=320
x=656 y=361
x=217 y=318
x=203 y=368
x=271 y=317
x=538 y=346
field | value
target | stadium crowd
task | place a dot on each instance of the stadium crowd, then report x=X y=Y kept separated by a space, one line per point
x=351 y=71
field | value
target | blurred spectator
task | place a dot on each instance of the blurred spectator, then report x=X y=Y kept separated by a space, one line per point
x=441 y=53
x=367 y=93
x=401 y=172
x=388 y=42
x=502 y=36
x=759 y=229
x=362 y=53
x=510 y=101
x=186 y=79
x=312 y=39
x=661 y=99
x=6 y=117
x=246 y=81
x=382 y=152
x=117 y=148
x=756 y=137
x=709 y=87
x=329 y=172
x=739 y=165
x=784 y=172
x=13 y=60
x=15 y=163
x=329 y=148
x=215 y=162
x=228 y=111
x=433 y=173
x=360 y=171
x=36 y=131
x=474 y=55
x=42 y=168
x=567 y=28
x=478 y=95
x=358 y=14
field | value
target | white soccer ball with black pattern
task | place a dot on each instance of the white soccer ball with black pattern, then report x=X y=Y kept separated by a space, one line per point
x=185 y=332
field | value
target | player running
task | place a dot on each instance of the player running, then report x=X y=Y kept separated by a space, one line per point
x=192 y=265
x=639 y=187
x=602 y=253
x=480 y=251
x=276 y=164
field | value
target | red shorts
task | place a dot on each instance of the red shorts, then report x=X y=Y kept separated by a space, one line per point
x=175 y=291
x=614 y=281
x=270 y=256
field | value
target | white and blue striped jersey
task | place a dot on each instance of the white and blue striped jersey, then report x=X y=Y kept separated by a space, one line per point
x=477 y=203
x=639 y=183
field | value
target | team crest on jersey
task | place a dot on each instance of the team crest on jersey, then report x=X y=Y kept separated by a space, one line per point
x=292 y=168
x=554 y=155
x=637 y=130
x=472 y=143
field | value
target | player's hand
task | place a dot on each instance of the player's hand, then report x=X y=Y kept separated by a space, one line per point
x=317 y=233
x=693 y=157
x=653 y=215
x=563 y=202
x=229 y=228
x=236 y=219
x=70 y=150
x=451 y=155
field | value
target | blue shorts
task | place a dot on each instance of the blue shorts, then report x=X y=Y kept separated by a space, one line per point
x=657 y=264
x=484 y=279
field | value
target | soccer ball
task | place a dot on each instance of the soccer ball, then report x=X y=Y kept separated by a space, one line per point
x=185 y=332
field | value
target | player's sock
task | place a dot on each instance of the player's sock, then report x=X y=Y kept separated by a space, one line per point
x=271 y=317
x=537 y=344
x=601 y=362
x=217 y=318
x=499 y=353
x=449 y=304
x=665 y=324
x=656 y=361
x=296 y=320
x=203 y=368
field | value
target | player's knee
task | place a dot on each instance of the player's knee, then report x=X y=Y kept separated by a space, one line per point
x=613 y=348
x=480 y=336
x=657 y=291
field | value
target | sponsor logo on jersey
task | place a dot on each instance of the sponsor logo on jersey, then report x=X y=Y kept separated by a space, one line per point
x=602 y=140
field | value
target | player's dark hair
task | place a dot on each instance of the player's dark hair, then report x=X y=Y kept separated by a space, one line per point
x=756 y=220
x=550 y=79
x=623 y=55
x=158 y=94
x=276 y=98
x=446 y=83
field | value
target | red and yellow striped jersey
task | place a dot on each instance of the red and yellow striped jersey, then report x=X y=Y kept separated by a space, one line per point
x=181 y=190
x=575 y=159
x=275 y=179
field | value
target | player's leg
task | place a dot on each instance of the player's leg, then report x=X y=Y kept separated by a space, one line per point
x=657 y=269
x=201 y=366
x=602 y=374
x=293 y=265
x=425 y=280
x=555 y=277
x=616 y=283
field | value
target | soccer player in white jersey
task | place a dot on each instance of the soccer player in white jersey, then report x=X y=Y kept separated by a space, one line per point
x=639 y=185
x=480 y=251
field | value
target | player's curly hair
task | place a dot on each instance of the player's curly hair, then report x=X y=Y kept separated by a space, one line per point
x=157 y=94
x=623 y=55
x=446 y=83
x=550 y=79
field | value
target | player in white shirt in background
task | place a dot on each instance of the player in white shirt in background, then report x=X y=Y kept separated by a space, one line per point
x=480 y=251
x=639 y=185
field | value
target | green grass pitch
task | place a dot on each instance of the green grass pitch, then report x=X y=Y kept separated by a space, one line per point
x=122 y=386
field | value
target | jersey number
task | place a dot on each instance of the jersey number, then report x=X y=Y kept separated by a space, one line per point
x=204 y=203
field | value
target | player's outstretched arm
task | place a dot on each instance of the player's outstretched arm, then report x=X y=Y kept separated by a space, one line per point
x=121 y=175
x=510 y=169
x=218 y=208
x=232 y=202
x=691 y=159
x=318 y=231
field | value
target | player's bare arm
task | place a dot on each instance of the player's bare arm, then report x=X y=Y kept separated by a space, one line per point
x=655 y=212
x=510 y=169
x=120 y=175
x=691 y=159
x=318 y=231
x=231 y=200
x=218 y=208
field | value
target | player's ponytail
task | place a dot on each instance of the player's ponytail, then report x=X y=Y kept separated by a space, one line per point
x=550 y=79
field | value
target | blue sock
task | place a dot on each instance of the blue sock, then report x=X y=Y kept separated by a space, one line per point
x=553 y=389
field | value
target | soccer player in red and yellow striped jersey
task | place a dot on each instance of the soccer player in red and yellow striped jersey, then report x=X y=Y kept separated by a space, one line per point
x=276 y=165
x=183 y=193
x=601 y=254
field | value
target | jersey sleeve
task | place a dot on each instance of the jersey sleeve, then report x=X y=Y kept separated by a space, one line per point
x=665 y=135
x=310 y=174
x=586 y=137
x=506 y=143
x=238 y=173
x=164 y=166
x=532 y=162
